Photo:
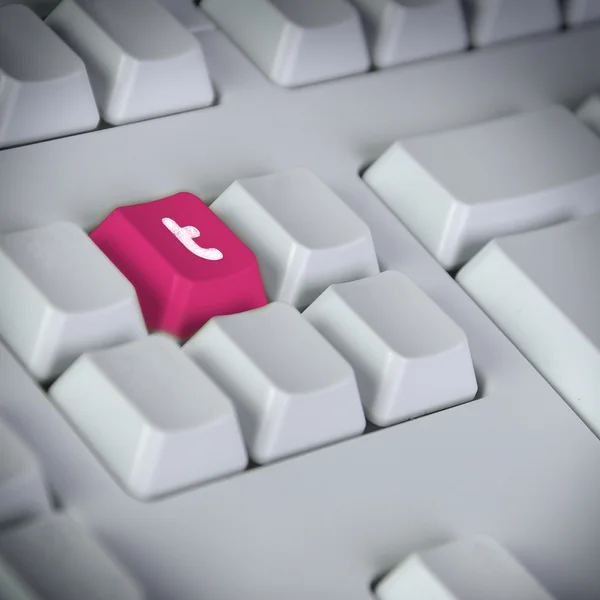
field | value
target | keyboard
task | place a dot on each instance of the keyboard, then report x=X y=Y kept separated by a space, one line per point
x=299 y=300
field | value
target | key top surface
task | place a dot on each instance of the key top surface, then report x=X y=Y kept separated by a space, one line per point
x=156 y=420
x=580 y=12
x=293 y=391
x=409 y=357
x=141 y=61
x=44 y=87
x=295 y=43
x=400 y=31
x=185 y=264
x=61 y=296
x=458 y=189
x=303 y=235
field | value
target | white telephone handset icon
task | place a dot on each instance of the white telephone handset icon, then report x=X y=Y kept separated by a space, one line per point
x=186 y=234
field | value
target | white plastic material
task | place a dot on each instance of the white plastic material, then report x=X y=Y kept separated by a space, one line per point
x=400 y=31
x=60 y=296
x=44 y=88
x=142 y=62
x=156 y=420
x=189 y=15
x=292 y=390
x=589 y=111
x=303 y=235
x=542 y=289
x=409 y=357
x=458 y=189
x=295 y=43
x=477 y=568
x=493 y=21
x=580 y=12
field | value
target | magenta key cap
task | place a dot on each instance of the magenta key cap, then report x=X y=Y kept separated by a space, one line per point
x=184 y=263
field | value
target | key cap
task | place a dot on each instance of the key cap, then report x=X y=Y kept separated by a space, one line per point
x=141 y=61
x=61 y=296
x=304 y=237
x=44 y=88
x=477 y=568
x=589 y=111
x=400 y=31
x=493 y=21
x=22 y=489
x=542 y=289
x=53 y=558
x=155 y=419
x=295 y=43
x=292 y=390
x=580 y=12
x=458 y=189
x=189 y=15
x=409 y=357
x=185 y=264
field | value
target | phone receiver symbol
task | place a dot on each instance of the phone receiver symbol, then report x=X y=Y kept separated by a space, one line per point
x=186 y=236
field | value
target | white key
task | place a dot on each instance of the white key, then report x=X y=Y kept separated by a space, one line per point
x=60 y=295
x=409 y=357
x=302 y=234
x=477 y=568
x=44 y=88
x=22 y=489
x=493 y=21
x=53 y=558
x=399 y=31
x=589 y=111
x=189 y=15
x=292 y=390
x=41 y=8
x=156 y=420
x=295 y=43
x=141 y=61
x=580 y=12
x=543 y=290
x=458 y=189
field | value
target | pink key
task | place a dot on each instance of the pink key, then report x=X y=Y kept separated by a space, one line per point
x=184 y=263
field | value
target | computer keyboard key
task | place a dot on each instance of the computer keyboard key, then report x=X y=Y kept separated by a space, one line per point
x=141 y=61
x=292 y=390
x=580 y=12
x=542 y=289
x=22 y=488
x=304 y=236
x=54 y=558
x=60 y=296
x=493 y=21
x=399 y=31
x=41 y=8
x=408 y=355
x=295 y=43
x=156 y=420
x=589 y=111
x=458 y=189
x=476 y=568
x=185 y=264
x=189 y=15
x=44 y=88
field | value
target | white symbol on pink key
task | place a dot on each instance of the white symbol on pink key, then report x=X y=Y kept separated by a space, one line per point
x=186 y=234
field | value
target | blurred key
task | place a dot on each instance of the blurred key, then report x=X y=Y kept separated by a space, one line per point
x=304 y=237
x=44 y=88
x=295 y=43
x=141 y=61
x=580 y=12
x=477 y=568
x=409 y=357
x=589 y=111
x=456 y=190
x=493 y=21
x=189 y=15
x=401 y=31
x=61 y=296
x=22 y=489
x=155 y=419
x=53 y=558
x=185 y=264
x=542 y=289
x=292 y=390
x=41 y=8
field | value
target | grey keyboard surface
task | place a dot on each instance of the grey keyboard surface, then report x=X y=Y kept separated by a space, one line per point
x=519 y=462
